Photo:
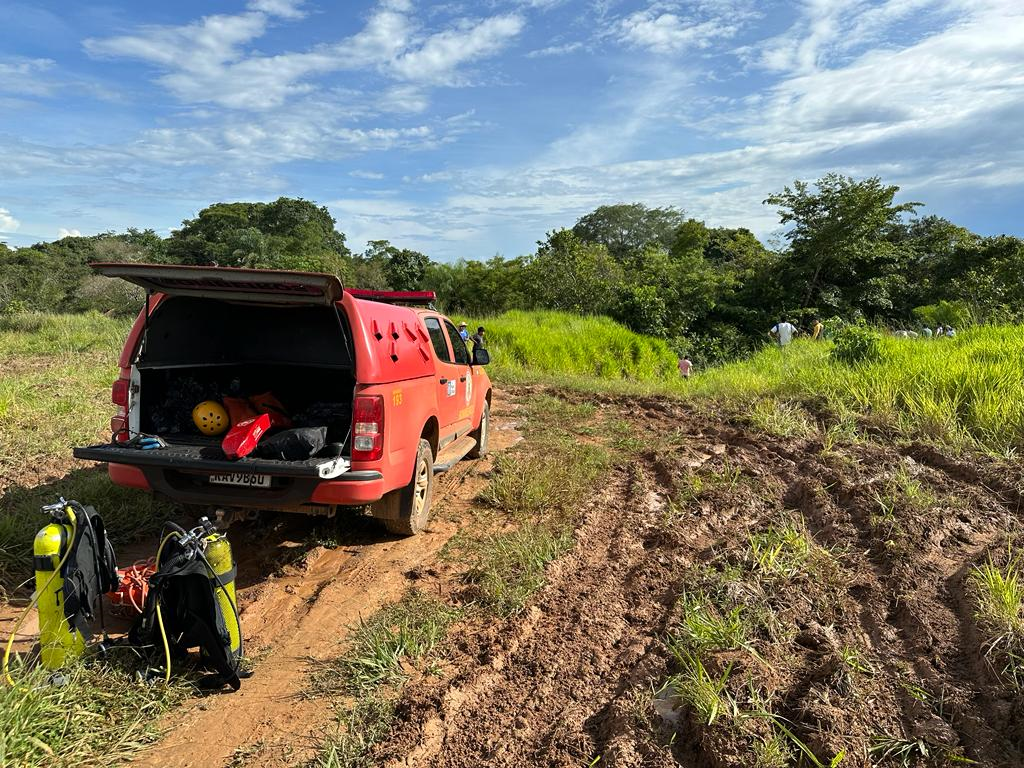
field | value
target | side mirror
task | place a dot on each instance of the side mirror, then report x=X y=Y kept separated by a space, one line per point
x=481 y=356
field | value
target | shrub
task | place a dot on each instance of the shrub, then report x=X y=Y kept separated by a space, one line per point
x=857 y=344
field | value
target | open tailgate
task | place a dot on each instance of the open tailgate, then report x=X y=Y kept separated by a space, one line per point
x=210 y=459
x=259 y=286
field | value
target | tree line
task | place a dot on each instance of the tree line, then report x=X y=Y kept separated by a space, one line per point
x=848 y=251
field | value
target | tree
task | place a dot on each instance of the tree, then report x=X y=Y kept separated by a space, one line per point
x=842 y=253
x=285 y=234
x=572 y=275
x=626 y=229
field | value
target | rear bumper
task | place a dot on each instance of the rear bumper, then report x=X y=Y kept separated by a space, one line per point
x=354 y=488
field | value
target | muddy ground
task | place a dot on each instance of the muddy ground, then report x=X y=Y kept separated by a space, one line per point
x=866 y=653
x=855 y=643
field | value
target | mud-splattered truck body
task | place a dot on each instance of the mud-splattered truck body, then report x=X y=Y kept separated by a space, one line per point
x=395 y=382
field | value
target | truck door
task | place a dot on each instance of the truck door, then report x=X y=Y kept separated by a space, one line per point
x=446 y=378
x=464 y=385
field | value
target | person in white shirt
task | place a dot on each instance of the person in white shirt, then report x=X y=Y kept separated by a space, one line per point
x=783 y=332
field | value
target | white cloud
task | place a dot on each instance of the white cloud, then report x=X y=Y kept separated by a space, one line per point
x=370 y=175
x=555 y=50
x=62 y=233
x=209 y=60
x=669 y=33
x=7 y=222
x=437 y=60
x=286 y=9
x=22 y=75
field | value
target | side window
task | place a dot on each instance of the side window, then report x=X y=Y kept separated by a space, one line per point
x=461 y=353
x=437 y=339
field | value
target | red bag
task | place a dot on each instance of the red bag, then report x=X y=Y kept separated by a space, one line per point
x=239 y=409
x=270 y=405
x=242 y=438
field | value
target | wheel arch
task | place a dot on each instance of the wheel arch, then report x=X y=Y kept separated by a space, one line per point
x=431 y=433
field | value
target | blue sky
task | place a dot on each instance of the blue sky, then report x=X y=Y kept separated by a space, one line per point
x=469 y=129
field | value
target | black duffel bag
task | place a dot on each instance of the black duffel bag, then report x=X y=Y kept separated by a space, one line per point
x=293 y=444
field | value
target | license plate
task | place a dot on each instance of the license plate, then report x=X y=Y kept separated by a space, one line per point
x=237 y=478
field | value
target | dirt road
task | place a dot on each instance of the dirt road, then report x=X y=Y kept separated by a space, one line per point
x=297 y=600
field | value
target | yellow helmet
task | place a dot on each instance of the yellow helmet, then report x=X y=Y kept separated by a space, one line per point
x=211 y=418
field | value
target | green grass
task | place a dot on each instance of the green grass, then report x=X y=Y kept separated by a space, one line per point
x=544 y=342
x=380 y=648
x=99 y=716
x=999 y=592
x=37 y=333
x=696 y=687
x=967 y=392
x=707 y=627
x=359 y=727
x=506 y=569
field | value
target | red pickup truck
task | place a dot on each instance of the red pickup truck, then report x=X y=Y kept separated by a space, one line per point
x=391 y=379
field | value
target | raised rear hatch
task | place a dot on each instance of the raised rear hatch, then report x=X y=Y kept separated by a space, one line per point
x=257 y=286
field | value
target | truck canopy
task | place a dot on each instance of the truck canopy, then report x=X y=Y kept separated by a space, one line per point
x=256 y=286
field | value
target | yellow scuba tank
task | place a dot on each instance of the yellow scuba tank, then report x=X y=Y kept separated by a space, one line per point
x=219 y=558
x=58 y=641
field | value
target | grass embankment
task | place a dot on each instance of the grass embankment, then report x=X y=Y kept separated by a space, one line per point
x=966 y=392
x=528 y=344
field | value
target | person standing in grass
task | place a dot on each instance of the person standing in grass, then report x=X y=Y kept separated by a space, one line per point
x=478 y=339
x=818 y=330
x=950 y=333
x=926 y=332
x=685 y=366
x=940 y=331
x=463 y=332
x=783 y=332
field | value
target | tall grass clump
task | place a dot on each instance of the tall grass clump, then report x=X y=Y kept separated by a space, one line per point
x=547 y=342
x=967 y=392
x=44 y=334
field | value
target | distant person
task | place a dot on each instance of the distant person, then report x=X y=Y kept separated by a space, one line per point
x=783 y=332
x=911 y=334
x=950 y=332
x=479 y=342
x=817 y=330
x=940 y=331
x=685 y=366
x=926 y=332
x=463 y=332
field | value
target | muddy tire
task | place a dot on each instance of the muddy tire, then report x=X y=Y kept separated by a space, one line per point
x=481 y=434
x=407 y=510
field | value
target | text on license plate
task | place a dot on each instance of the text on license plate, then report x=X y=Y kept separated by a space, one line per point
x=238 y=478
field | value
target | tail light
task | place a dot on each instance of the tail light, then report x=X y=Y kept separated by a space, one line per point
x=368 y=428
x=119 y=393
x=119 y=397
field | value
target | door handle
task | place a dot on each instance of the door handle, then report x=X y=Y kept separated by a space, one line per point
x=443 y=380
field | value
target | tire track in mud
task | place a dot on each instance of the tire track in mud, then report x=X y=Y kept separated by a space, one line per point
x=554 y=686
x=914 y=609
x=304 y=614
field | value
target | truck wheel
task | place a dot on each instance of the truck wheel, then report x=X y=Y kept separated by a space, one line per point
x=482 y=433
x=408 y=509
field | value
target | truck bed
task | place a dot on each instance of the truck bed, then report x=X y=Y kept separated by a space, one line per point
x=210 y=459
